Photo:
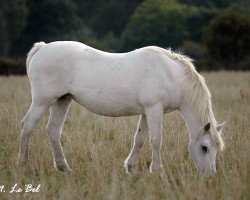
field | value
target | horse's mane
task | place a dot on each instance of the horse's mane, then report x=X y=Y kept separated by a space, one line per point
x=196 y=93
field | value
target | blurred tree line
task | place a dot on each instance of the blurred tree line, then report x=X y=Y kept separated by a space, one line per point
x=215 y=33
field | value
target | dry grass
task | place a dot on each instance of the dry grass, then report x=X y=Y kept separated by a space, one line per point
x=96 y=147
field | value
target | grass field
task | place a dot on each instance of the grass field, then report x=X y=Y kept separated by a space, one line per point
x=97 y=146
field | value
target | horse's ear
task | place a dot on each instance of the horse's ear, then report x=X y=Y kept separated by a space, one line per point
x=203 y=132
x=220 y=126
x=207 y=127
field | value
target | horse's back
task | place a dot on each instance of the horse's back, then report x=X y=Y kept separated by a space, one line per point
x=71 y=54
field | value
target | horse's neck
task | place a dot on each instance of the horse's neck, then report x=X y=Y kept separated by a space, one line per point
x=193 y=119
x=193 y=122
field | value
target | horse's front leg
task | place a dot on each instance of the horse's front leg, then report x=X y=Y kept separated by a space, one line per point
x=154 y=118
x=139 y=139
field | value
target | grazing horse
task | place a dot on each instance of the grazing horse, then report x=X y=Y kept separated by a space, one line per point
x=149 y=82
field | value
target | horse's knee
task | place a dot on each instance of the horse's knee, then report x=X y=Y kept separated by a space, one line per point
x=155 y=142
x=28 y=128
x=53 y=133
x=54 y=136
x=29 y=122
x=139 y=144
x=139 y=141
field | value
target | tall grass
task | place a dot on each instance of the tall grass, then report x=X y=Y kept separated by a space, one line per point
x=96 y=147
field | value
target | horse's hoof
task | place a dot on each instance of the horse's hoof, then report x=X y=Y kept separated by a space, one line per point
x=65 y=169
x=130 y=169
x=155 y=170
x=20 y=163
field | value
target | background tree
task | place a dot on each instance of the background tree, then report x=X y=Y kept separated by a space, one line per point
x=126 y=25
x=13 y=14
x=48 y=20
x=106 y=16
x=156 y=22
x=212 y=3
x=107 y=19
x=196 y=19
x=227 y=39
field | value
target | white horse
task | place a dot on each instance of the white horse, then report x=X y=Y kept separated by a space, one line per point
x=149 y=82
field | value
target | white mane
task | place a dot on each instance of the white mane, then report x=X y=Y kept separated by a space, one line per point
x=197 y=94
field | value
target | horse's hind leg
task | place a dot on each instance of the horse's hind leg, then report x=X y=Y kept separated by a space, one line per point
x=29 y=122
x=58 y=112
x=139 y=139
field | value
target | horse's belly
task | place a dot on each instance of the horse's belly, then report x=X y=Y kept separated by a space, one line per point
x=109 y=105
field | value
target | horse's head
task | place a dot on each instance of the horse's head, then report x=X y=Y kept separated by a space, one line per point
x=203 y=149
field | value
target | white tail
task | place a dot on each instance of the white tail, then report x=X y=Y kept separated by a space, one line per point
x=33 y=50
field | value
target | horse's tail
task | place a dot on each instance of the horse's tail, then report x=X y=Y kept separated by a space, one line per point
x=32 y=52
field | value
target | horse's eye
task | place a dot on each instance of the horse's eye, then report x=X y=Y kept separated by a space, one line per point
x=204 y=149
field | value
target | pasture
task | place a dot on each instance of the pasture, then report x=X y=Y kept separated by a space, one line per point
x=97 y=146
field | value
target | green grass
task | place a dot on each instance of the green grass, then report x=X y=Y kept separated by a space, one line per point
x=97 y=146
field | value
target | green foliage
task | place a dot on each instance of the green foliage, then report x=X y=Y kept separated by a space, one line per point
x=13 y=14
x=116 y=25
x=48 y=20
x=165 y=23
x=196 y=19
x=156 y=22
x=227 y=38
x=111 y=16
x=107 y=19
x=212 y=3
